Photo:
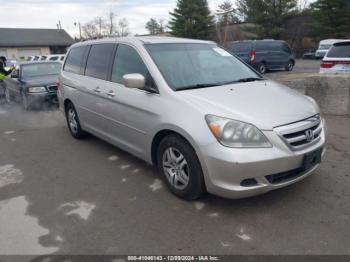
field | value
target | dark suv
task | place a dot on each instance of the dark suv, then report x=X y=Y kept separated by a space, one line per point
x=264 y=55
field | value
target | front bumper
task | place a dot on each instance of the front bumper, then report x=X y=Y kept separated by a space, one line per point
x=39 y=98
x=227 y=169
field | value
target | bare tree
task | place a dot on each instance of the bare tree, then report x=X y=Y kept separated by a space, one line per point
x=123 y=28
x=90 y=30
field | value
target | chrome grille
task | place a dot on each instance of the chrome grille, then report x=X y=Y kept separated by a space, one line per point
x=52 y=88
x=301 y=134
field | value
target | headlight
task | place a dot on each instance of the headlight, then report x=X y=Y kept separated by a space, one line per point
x=36 y=89
x=232 y=133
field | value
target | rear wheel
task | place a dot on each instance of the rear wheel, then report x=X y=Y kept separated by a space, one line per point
x=73 y=122
x=178 y=163
x=262 y=68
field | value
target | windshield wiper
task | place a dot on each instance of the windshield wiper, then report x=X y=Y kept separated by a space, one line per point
x=249 y=79
x=197 y=86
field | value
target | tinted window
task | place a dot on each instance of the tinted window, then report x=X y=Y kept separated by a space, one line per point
x=43 y=58
x=75 y=59
x=340 y=50
x=241 y=47
x=286 y=48
x=98 y=60
x=54 y=58
x=128 y=61
x=262 y=46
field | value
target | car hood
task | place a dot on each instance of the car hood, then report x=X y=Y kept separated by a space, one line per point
x=41 y=80
x=264 y=104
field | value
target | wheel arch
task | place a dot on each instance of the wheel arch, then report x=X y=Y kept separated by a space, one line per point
x=161 y=134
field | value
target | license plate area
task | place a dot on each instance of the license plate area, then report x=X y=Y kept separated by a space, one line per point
x=312 y=159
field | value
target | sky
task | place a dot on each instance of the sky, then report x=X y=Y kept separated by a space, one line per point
x=47 y=13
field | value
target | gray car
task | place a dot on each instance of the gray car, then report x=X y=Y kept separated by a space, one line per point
x=208 y=121
x=33 y=83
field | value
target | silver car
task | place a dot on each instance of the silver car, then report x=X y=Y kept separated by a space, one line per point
x=209 y=122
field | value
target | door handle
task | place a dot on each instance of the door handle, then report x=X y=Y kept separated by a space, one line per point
x=97 y=90
x=111 y=94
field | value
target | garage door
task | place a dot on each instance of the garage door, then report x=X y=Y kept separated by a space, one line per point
x=3 y=52
x=28 y=52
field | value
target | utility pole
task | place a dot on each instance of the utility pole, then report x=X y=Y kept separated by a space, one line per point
x=78 y=24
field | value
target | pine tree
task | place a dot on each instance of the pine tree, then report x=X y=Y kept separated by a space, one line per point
x=269 y=15
x=332 y=18
x=192 y=19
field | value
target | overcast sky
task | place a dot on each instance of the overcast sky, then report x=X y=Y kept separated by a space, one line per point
x=46 y=13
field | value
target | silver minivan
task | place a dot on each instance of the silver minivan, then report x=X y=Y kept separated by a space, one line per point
x=209 y=122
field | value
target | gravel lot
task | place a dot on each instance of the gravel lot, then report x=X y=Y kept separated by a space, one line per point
x=59 y=195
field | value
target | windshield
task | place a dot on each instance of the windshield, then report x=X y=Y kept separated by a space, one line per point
x=34 y=70
x=325 y=47
x=198 y=65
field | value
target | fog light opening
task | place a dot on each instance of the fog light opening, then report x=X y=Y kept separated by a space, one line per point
x=249 y=182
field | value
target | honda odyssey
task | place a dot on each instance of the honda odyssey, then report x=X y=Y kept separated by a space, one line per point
x=209 y=122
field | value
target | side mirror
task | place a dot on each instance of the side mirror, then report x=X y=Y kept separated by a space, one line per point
x=134 y=81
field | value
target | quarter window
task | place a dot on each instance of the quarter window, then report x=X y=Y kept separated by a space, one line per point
x=75 y=60
x=128 y=61
x=98 y=60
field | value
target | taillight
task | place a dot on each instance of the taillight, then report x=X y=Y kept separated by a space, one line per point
x=327 y=64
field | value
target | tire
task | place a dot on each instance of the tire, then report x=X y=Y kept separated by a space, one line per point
x=262 y=68
x=290 y=66
x=25 y=103
x=179 y=164
x=73 y=122
x=7 y=96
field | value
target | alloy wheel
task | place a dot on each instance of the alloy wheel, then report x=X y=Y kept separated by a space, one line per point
x=72 y=120
x=176 y=168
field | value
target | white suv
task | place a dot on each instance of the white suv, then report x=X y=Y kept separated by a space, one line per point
x=337 y=59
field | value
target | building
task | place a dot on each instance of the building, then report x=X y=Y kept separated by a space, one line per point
x=19 y=43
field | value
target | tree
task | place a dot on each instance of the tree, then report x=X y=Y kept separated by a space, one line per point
x=270 y=16
x=106 y=26
x=153 y=26
x=332 y=18
x=226 y=13
x=192 y=19
x=156 y=27
x=123 y=28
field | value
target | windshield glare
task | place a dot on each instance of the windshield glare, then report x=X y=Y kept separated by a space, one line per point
x=184 y=65
x=35 y=70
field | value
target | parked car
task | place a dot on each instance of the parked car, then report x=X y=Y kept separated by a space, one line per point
x=337 y=59
x=310 y=54
x=33 y=83
x=324 y=46
x=207 y=120
x=58 y=58
x=265 y=55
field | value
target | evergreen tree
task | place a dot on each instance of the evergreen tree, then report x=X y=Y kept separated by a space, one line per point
x=269 y=15
x=226 y=13
x=192 y=19
x=332 y=18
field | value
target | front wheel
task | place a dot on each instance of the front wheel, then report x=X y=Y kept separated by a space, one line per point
x=178 y=163
x=73 y=122
x=290 y=66
x=25 y=103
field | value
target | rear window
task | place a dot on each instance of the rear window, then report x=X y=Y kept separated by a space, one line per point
x=340 y=50
x=98 y=61
x=75 y=59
